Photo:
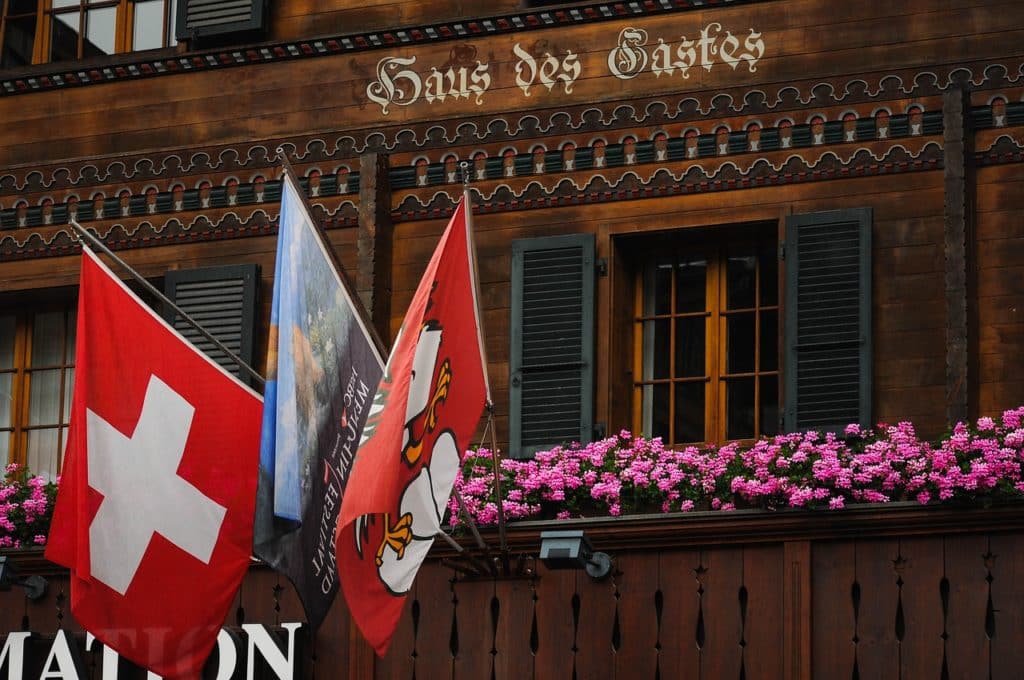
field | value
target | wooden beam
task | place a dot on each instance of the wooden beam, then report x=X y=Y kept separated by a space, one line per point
x=796 y=610
x=374 y=244
x=959 y=188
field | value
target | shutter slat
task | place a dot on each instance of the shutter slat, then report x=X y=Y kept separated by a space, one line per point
x=828 y=316
x=552 y=342
x=223 y=301
x=215 y=17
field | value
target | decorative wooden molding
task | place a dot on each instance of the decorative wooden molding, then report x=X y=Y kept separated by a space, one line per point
x=331 y=151
x=543 y=191
x=625 y=183
x=752 y=527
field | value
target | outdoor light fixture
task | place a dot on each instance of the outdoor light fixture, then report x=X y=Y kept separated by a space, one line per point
x=570 y=549
x=35 y=586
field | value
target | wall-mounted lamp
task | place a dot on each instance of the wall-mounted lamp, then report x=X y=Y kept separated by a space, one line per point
x=35 y=586
x=571 y=549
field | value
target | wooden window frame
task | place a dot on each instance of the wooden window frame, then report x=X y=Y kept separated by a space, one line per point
x=712 y=246
x=21 y=384
x=123 y=27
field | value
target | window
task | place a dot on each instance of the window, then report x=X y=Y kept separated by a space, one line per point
x=706 y=341
x=63 y=30
x=17 y=32
x=37 y=353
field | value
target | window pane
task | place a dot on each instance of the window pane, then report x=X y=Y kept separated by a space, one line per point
x=769 y=341
x=71 y=329
x=64 y=36
x=22 y=6
x=691 y=285
x=99 y=31
x=661 y=348
x=148 y=31
x=740 y=271
x=659 y=295
x=769 y=405
x=739 y=356
x=65 y=3
x=8 y=326
x=44 y=397
x=42 y=452
x=769 y=277
x=739 y=404
x=5 y=446
x=19 y=37
x=659 y=411
x=69 y=388
x=689 y=412
x=48 y=339
x=690 y=346
x=6 y=403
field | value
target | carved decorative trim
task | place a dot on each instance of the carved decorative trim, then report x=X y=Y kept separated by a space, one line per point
x=614 y=184
x=118 y=236
x=630 y=183
x=333 y=152
x=1005 y=149
x=226 y=191
x=75 y=75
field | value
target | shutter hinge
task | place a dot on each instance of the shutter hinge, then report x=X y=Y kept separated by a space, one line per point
x=782 y=423
x=782 y=250
x=601 y=266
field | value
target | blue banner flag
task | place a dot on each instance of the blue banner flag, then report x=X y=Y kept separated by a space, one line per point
x=322 y=370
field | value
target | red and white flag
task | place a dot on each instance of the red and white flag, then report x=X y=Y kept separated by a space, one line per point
x=155 y=506
x=425 y=411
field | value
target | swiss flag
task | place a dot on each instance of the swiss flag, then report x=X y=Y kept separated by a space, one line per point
x=154 y=512
x=426 y=408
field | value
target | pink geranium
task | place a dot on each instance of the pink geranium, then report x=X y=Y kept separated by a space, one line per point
x=26 y=506
x=626 y=474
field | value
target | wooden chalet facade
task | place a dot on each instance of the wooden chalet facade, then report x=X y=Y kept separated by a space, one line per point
x=706 y=220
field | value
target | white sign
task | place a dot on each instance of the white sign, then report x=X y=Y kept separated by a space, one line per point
x=60 y=662
x=401 y=86
x=632 y=56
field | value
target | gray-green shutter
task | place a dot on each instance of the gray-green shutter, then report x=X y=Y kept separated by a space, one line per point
x=202 y=18
x=828 y=320
x=223 y=301
x=551 y=386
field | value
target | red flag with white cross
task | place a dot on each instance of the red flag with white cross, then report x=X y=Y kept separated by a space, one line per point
x=155 y=506
x=426 y=408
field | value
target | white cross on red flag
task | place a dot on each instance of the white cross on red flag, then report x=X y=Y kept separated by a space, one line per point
x=154 y=512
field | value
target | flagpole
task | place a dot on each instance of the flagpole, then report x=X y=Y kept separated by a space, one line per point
x=357 y=302
x=495 y=456
x=86 y=235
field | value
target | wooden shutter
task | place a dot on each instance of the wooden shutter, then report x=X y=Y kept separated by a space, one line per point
x=828 y=320
x=552 y=355
x=202 y=18
x=223 y=301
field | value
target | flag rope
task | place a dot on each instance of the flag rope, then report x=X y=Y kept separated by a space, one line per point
x=495 y=456
x=86 y=235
